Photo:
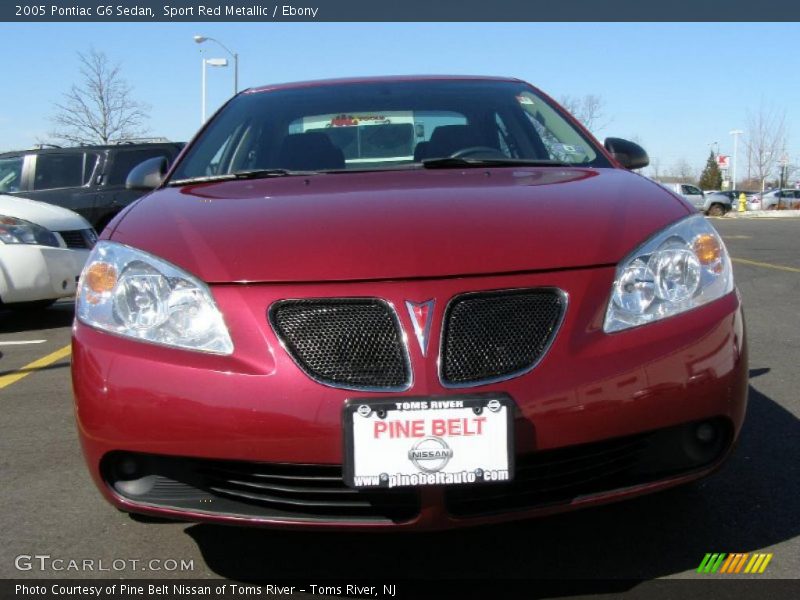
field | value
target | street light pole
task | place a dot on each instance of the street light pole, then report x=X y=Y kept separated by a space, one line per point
x=208 y=62
x=735 y=133
x=199 y=39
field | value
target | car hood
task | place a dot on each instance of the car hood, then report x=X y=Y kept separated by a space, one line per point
x=45 y=215
x=399 y=224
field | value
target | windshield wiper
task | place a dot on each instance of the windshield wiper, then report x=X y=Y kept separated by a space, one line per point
x=253 y=174
x=264 y=173
x=451 y=162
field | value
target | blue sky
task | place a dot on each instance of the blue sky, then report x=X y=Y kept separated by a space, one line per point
x=676 y=87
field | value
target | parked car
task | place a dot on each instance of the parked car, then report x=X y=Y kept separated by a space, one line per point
x=89 y=180
x=505 y=322
x=785 y=198
x=729 y=199
x=695 y=196
x=42 y=251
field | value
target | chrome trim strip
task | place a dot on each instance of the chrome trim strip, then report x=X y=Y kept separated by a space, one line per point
x=407 y=385
x=515 y=374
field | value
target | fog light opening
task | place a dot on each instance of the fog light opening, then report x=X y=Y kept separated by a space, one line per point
x=128 y=468
x=705 y=433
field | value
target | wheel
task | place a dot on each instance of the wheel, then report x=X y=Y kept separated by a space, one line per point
x=716 y=210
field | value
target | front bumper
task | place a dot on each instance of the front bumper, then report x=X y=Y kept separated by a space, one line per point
x=30 y=273
x=592 y=395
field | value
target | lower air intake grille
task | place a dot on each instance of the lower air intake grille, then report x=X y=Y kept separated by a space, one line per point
x=352 y=343
x=298 y=492
x=495 y=335
x=563 y=475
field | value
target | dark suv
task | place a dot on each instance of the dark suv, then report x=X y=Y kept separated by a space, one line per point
x=88 y=179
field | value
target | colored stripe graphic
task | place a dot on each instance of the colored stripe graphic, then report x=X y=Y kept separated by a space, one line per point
x=754 y=563
x=727 y=564
x=711 y=563
x=740 y=564
x=734 y=563
x=767 y=558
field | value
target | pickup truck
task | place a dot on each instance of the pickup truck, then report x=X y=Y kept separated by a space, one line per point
x=714 y=205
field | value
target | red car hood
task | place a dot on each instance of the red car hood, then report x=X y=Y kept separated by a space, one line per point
x=400 y=224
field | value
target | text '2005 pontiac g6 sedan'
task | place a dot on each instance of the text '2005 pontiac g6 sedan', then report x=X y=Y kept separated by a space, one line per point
x=403 y=303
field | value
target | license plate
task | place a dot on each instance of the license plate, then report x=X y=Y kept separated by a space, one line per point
x=409 y=442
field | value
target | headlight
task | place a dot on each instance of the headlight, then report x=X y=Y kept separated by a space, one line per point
x=19 y=231
x=134 y=294
x=682 y=267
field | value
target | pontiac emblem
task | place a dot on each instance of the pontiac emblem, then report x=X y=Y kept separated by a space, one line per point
x=421 y=313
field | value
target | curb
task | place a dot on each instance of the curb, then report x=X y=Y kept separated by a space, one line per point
x=764 y=214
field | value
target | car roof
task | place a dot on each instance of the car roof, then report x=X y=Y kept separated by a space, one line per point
x=380 y=79
x=98 y=148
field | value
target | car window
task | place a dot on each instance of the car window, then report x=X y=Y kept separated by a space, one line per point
x=63 y=170
x=386 y=124
x=690 y=190
x=89 y=163
x=367 y=137
x=123 y=161
x=10 y=173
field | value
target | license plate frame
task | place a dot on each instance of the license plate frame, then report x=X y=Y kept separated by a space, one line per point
x=497 y=408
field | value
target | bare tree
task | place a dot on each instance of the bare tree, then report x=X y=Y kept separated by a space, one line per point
x=655 y=168
x=100 y=108
x=588 y=109
x=682 y=170
x=765 y=141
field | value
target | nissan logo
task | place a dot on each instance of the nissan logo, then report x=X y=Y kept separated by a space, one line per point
x=430 y=454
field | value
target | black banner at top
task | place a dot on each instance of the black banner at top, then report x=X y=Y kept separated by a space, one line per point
x=152 y=11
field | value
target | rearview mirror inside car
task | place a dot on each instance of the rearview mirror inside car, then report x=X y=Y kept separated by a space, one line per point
x=147 y=175
x=629 y=154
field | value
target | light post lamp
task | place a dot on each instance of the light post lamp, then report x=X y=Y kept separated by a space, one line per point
x=199 y=39
x=208 y=62
x=735 y=133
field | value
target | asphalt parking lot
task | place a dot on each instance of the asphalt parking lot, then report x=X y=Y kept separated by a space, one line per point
x=49 y=505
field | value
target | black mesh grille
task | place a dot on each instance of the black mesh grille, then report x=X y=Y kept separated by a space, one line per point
x=76 y=239
x=496 y=334
x=353 y=343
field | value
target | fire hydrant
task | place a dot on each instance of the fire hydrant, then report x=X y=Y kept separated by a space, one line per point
x=742 y=202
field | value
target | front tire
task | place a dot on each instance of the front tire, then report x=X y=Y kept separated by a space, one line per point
x=716 y=210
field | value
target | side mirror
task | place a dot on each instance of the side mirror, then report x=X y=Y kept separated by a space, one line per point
x=628 y=154
x=147 y=175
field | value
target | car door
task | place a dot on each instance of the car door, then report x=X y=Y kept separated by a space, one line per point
x=64 y=179
x=693 y=195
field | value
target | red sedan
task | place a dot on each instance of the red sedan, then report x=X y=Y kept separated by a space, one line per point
x=403 y=303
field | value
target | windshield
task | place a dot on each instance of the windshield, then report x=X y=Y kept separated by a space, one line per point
x=387 y=124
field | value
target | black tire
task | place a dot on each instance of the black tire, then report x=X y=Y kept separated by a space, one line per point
x=716 y=210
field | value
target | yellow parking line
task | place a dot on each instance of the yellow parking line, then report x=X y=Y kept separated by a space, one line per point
x=756 y=263
x=40 y=363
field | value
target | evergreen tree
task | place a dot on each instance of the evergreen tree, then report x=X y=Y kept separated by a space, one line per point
x=711 y=178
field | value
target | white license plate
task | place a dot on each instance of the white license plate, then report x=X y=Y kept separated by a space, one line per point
x=409 y=442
